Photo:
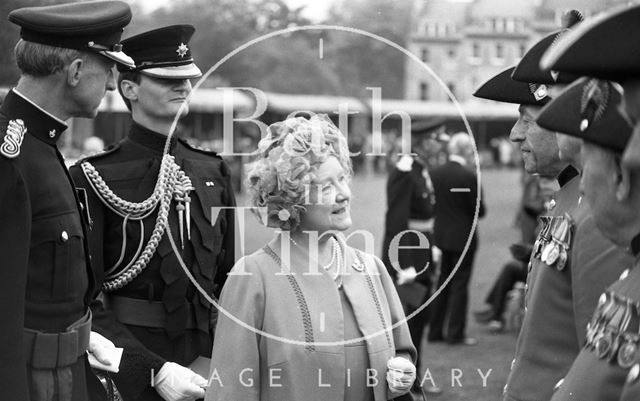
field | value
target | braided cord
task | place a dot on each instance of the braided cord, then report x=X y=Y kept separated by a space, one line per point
x=172 y=182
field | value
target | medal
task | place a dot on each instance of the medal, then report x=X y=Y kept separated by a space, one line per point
x=545 y=252
x=628 y=353
x=562 y=259
x=554 y=252
x=603 y=345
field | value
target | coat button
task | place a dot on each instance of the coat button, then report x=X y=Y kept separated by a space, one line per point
x=513 y=363
x=64 y=236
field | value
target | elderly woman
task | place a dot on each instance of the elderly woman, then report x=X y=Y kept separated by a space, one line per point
x=308 y=317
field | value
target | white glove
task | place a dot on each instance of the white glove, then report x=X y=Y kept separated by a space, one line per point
x=176 y=383
x=103 y=354
x=407 y=276
x=401 y=374
x=436 y=254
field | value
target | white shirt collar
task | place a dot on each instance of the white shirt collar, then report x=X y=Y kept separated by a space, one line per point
x=458 y=159
x=38 y=107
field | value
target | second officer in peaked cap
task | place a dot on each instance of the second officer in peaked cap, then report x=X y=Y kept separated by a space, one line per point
x=151 y=308
x=65 y=56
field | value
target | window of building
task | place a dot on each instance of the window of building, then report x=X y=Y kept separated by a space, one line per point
x=511 y=25
x=451 y=52
x=475 y=50
x=431 y=29
x=499 y=25
x=452 y=87
x=424 y=91
x=442 y=30
x=499 y=50
x=424 y=54
x=522 y=49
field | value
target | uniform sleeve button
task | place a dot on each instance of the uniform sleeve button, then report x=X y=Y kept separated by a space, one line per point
x=64 y=236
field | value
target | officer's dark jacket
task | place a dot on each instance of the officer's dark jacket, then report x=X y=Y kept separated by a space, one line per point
x=560 y=299
x=455 y=210
x=45 y=278
x=131 y=169
x=407 y=198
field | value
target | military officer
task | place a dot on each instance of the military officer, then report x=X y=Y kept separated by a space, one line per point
x=65 y=56
x=571 y=262
x=410 y=201
x=138 y=196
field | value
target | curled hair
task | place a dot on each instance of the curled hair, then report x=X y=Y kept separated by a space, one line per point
x=288 y=157
x=41 y=60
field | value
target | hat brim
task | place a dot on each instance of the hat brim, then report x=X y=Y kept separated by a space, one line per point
x=563 y=114
x=187 y=71
x=119 y=57
x=502 y=88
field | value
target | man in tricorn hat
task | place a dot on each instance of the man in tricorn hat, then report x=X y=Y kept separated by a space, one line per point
x=65 y=56
x=606 y=47
x=141 y=191
x=588 y=110
x=571 y=262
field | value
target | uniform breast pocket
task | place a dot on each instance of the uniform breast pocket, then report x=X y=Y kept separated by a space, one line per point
x=57 y=262
x=210 y=193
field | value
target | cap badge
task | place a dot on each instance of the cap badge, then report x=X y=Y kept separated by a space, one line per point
x=182 y=50
x=13 y=138
x=594 y=102
x=538 y=92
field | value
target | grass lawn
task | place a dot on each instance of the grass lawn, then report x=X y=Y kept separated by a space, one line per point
x=492 y=356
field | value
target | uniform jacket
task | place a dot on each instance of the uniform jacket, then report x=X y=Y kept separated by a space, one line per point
x=408 y=197
x=455 y=211
x=45 y=277
x=559 y=302
x=290 y=307
x=604 y=368
x=131 y=169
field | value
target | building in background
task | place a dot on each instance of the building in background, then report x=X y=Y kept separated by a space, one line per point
x=465 y=42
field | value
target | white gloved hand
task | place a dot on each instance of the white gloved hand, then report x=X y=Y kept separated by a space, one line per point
x=176 y=383
x=401 y=374
x=407 y=276
x=101 y=348
x=436 y=254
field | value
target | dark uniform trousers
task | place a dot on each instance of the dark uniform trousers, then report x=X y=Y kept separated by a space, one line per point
x=159 y=316
x=45 y=276
x=561 y=297
x=410 y=206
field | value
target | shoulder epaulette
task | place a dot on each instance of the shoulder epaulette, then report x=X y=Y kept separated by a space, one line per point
x=105 y=152
x=10 y=147
x=205 y=151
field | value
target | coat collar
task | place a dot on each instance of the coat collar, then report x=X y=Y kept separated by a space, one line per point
x=37 y=121
x=567 y=175
x=154 y=141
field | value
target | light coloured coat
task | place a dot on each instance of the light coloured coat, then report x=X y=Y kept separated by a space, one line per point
x=299 y=355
